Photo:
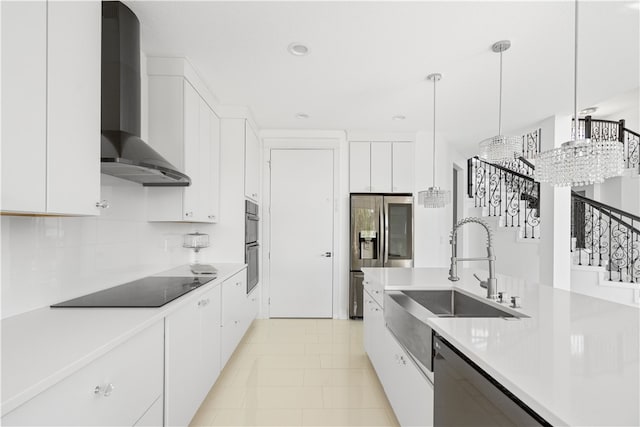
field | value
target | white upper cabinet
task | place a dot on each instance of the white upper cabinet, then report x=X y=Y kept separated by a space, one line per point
x=360 y=167
x=186 y=132
x=381 y=167
x=210 y=161
x=251 y=164
x=402 y=179
x=51 y=107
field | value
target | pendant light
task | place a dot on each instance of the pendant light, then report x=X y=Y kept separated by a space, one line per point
x=434 y=197
x=579 y=162
x=500 y=148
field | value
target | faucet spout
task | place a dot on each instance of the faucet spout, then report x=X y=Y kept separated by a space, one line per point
x=491 y=282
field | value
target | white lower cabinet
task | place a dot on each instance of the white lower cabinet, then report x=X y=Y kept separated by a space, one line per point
x=192 y=365
x=118 y=388
x=409 y=392
x=235 y=314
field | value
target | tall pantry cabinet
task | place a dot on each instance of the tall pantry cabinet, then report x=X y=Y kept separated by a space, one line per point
x=184 y=127
x=51 y=107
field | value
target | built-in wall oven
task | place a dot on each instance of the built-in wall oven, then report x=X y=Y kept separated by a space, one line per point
x=251 y=248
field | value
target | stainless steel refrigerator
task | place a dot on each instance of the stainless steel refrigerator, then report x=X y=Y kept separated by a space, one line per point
x=381 y=236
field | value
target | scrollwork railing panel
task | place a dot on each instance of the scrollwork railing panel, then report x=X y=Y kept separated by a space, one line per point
x=607 y=237
x=507 y=194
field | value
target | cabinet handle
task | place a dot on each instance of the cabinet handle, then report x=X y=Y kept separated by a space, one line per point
x=104 y=390
x=212 y=217
x=238 y=283
x=402 y=360
x=190 y=213
x=235 y=321
x=102 y=204
x=255 y=195
x=203 y=302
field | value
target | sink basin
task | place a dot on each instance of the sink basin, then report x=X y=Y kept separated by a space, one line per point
x=403 y=311
x=452 y=303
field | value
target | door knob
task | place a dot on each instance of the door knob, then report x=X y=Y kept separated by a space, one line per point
x=327 y=254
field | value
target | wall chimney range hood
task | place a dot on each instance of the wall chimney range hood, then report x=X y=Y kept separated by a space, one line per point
x=123 y=153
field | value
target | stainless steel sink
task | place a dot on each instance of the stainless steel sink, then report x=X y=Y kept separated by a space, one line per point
x=404 y=312
x=452 y=303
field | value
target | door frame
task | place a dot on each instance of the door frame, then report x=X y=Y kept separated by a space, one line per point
x=325 y=140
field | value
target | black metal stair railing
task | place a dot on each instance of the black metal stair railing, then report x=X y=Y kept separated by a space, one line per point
x=610 y=130
x=507 y=193
x=606 y=236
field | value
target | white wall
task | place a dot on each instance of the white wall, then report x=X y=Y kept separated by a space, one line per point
x=50 y=259
x=433 y=225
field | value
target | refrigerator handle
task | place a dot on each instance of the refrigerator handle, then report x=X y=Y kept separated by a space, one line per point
x=381 y=234
x=385 y=214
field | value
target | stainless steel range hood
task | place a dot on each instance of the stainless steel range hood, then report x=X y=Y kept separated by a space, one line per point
x=123 y=153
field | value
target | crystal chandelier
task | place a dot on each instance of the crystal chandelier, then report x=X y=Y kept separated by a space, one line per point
x=434 y=197
x=579 y=161
x=500 y=148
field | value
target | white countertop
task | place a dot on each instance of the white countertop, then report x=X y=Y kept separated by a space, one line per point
x=41 y=347
x=575 y=360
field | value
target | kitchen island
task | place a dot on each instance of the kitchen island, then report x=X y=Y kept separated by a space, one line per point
x=574 y=360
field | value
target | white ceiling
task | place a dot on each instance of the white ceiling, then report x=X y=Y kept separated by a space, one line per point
x=368 y=60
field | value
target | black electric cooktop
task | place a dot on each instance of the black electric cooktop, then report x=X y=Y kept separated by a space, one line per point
x=154 y=291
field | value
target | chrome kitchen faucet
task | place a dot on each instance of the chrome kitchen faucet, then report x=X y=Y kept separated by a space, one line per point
x=491 y=283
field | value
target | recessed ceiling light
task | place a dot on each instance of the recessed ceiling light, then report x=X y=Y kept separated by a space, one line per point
x=398 y=117
x=298 y=49
x=589 y=110
x=302 y=116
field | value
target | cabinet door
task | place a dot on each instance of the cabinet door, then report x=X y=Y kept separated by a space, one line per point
x=24 y=114
x=368 y=324
x=402 y=180
x=114 y=390
x=73 y=107
x=191 y=196
x=182 y=365
x=209 y=306
x=213 y=212
x=51 y=107
x=360 y=167
x=234 y=307
x=252 y=164
x=409 y=392
x=205 y=166
x=381 y=167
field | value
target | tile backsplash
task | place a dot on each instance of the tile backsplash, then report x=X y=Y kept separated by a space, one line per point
x=51 y=259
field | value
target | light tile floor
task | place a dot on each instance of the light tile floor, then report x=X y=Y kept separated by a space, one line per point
x=298 y=372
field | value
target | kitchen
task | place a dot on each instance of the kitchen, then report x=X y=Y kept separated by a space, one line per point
x=58 y=245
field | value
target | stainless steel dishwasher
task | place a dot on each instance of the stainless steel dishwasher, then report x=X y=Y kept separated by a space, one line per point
x=465 y=395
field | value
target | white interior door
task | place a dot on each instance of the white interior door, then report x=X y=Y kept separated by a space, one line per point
x=301 y=279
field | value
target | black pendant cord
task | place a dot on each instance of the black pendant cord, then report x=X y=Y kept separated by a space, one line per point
x=434 y=132
x=500 y=99
x=575 y=73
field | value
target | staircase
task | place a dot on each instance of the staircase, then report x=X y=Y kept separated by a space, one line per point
x=606 y=237
x=603 y=238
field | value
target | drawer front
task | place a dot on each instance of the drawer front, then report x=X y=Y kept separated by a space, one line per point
x=375 y=289
x=115 y=389
x=235 y=306
x=234 y=295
